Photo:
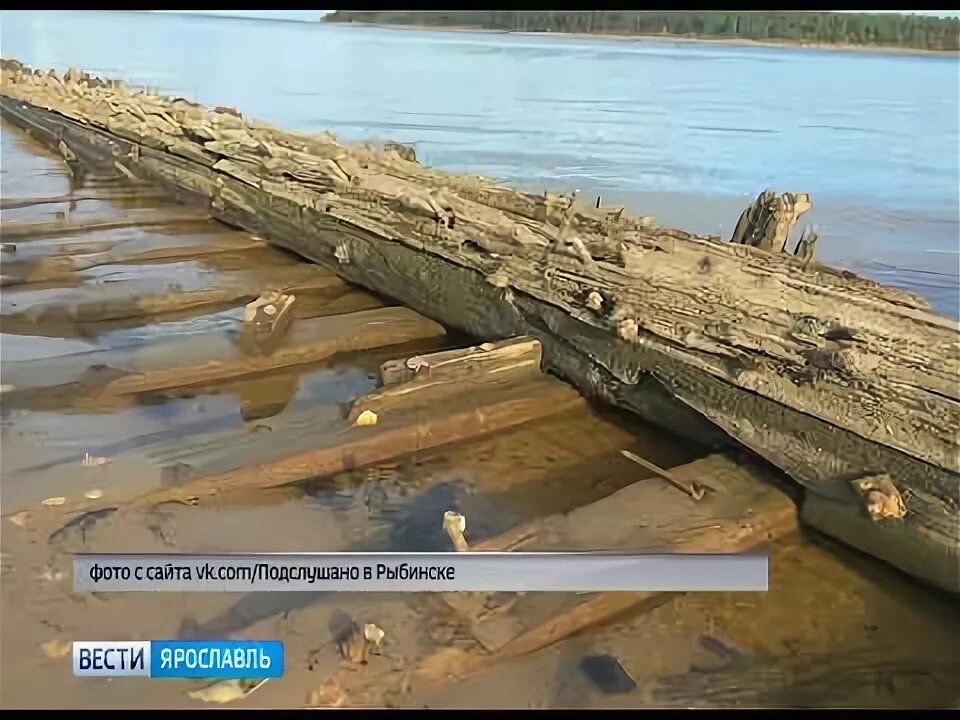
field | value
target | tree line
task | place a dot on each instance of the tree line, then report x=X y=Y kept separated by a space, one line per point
x=882 y=30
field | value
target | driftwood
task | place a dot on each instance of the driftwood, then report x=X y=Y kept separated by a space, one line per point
x=827 y=375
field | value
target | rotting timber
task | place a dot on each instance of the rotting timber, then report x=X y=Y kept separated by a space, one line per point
x=850 y=387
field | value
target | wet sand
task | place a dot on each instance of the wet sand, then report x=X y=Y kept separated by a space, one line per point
x=834 y=630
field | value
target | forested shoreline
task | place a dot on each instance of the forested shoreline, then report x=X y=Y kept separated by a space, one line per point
x=918 y=32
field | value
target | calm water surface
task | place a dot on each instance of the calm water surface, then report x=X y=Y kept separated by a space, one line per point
x=685 y=132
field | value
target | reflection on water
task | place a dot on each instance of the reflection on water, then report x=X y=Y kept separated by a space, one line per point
x=684 y=132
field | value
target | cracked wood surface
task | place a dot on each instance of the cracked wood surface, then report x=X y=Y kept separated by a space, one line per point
x=793 y=359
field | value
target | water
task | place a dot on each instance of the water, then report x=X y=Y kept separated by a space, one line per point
x=688 y=133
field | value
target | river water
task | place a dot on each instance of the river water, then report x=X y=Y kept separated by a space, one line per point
x=688 y=133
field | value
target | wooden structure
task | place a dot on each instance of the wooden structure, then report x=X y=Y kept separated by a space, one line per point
x=828 y=376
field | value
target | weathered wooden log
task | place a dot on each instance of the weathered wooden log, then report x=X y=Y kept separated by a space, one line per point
x=827 y=375
x=767 y=223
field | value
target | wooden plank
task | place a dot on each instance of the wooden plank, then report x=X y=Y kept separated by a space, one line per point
x=564 y=455
x=473 y=414
x=50 y=263
x=744 y=511
x=155 y=294
x=209 y=358
x=24 y=231
x=316 y=445
x=80 y=196
x=902 y=677
x=445 y=372
x=523 y=354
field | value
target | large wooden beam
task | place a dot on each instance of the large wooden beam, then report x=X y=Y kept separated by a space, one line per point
x=825 y=374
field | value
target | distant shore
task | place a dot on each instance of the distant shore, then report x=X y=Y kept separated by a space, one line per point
x=640 y=37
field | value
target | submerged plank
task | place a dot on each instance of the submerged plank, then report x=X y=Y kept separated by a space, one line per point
x=80 y=196
x=29 y=311
x=742 y=510
x=825 y=374
x=209 y=358
x=21 y=231
x=64 y=262
x=477 y=412
x=563 y=456
x=294 y=447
